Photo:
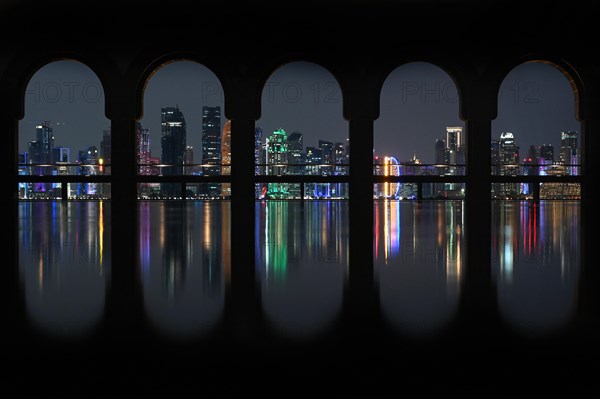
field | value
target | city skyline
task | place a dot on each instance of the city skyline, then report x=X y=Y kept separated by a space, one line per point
x=535 y=102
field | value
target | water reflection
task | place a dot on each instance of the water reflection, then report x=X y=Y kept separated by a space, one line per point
x=536 y=261
x=418 y=260
x=301 y=260
x=64 y=262
x=185 y=258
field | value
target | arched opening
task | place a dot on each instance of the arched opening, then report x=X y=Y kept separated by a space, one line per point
x=302 y=133
x=536 y=134
x=184 y=158
x=419 y=157
x=183 y=132
x=302 y=154
x=64 y=246
x=536 y=167
x=64 y=132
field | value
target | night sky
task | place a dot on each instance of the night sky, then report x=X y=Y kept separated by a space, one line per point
x=418 y=102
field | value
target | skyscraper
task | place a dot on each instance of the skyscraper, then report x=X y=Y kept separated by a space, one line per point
x=296 y=161
x=454 y=146
x=509 y=163
x=568 y=146
x=440 y=152
x=277 y=159
x=295 y=154
x=211 y=148
x=188 y=160
x=226 y=148
x=211 y=140
x=568 y=151
x=143 y=150
x=326 y=156
x=173 y=143
x=509 y=151
x=40 y=149
x=258 y=153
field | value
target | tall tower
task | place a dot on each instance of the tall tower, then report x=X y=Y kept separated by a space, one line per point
x=211 y=148
x=88 y=159
x=277 y=159
x=143 y=150
x=41 y=149
x=188 y=160
x=295 y=153
x=454 y=145
x=509 y=163
x=568 y=151
x=173 y=140
x=440 y=152
x=226 y=148
x=211 y=140
x=326 y=156
x=258 y=133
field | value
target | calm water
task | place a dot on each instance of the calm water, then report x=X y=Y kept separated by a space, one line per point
x=419 y=251
x=64 y=264
x=301 y=264
x=536 y=261
x=185 y=263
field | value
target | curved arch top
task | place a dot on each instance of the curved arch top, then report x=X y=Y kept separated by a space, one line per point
x=25 y=65
x=142 y=71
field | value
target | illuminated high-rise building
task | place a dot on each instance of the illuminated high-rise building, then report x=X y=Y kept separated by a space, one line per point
x=143 y=144
x=40 y=149
x=173 y=144
x=568 y=151
x=226 y=148
x=327 y=156
x=211 y=149
x=295 y=154
x=276 y=160
x=277 y=153
x=568 y=147
x=188 y=160
x=509 y=151
x=88 y=160
x=509 y=163
x=259 y=169
x=454 y=146
x=258 y=153
x=211 y=140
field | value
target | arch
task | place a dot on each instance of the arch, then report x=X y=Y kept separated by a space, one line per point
x=383 y=73
x=500 y=70
x=24 y=65
x=143 y=68
x=64 y=126
x=190 y=96
x=419 y=112
x=278 y=64
x=302 y=130
x=533 y=133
